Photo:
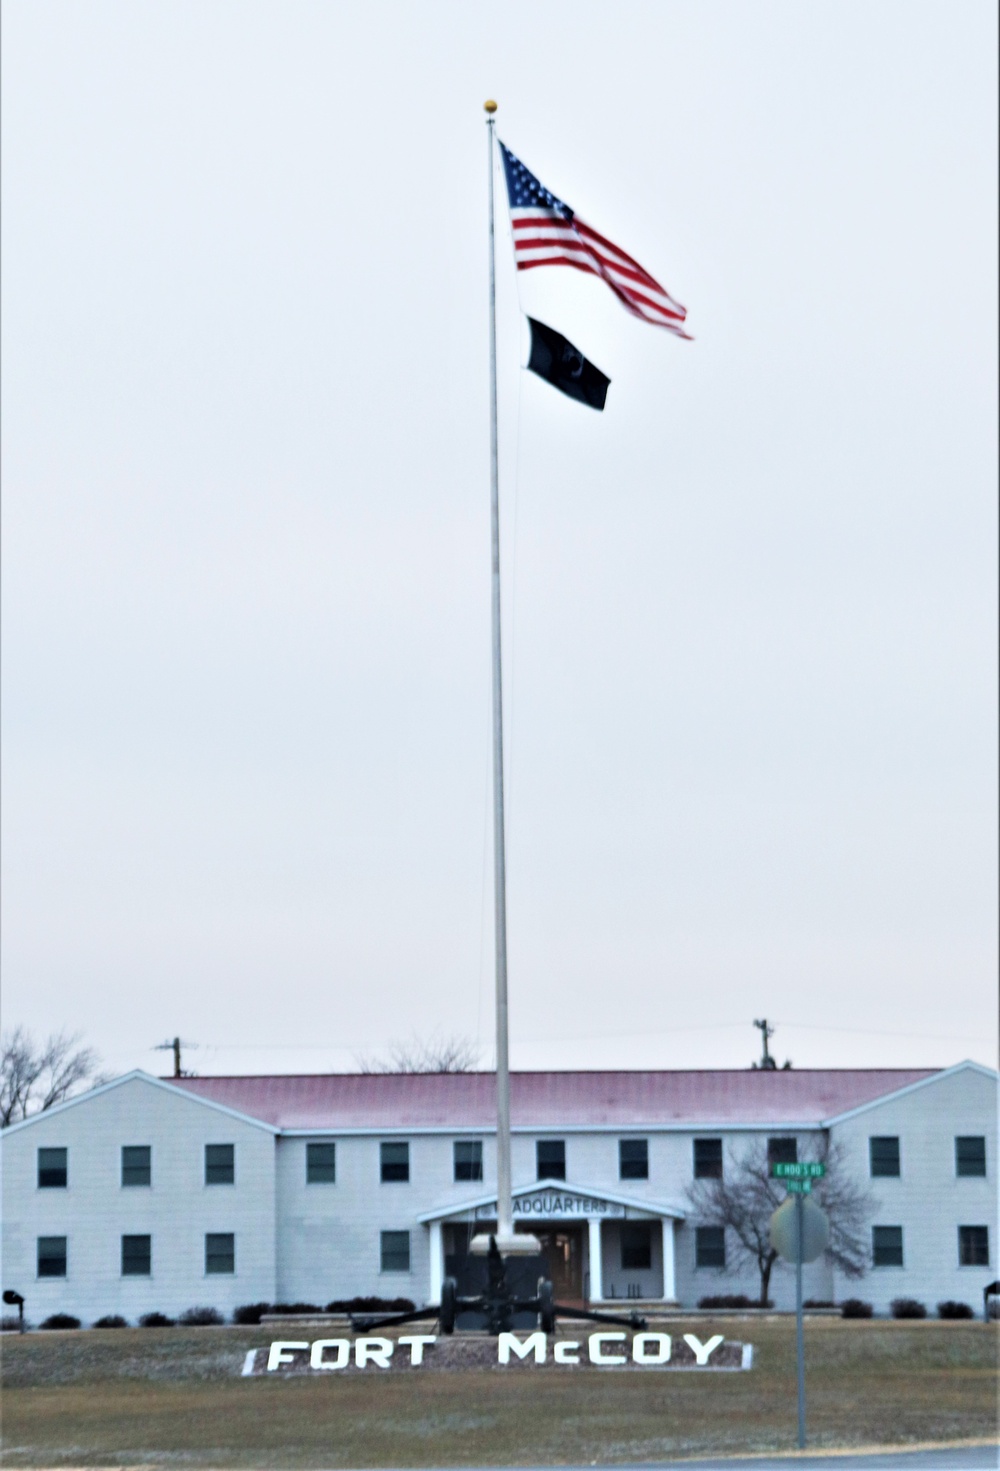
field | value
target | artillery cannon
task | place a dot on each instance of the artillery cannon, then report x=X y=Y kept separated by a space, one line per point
x=498 y=1303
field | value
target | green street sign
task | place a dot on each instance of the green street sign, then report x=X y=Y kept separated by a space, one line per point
x=808 y=1170
x=798 y=1187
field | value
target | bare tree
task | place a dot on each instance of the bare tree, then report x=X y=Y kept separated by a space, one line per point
x=743 y=1200
x=425 y=1055
x=34 y=1078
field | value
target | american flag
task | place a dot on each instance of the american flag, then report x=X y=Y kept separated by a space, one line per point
x=548 y=233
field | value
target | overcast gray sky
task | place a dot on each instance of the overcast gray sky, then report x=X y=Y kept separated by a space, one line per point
x=749 y=610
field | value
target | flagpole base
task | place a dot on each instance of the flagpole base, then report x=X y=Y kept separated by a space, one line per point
x=517 y=1244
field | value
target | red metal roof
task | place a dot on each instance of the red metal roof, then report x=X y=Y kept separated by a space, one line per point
x=385 y=1101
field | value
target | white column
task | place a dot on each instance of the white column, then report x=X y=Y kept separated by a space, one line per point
x=669 y=1285
x=437 y=1261
x=594 y=1251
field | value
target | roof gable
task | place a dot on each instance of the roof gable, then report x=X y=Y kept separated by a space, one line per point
x=949 y=1072
x=137 y=1075
x=558 y=1187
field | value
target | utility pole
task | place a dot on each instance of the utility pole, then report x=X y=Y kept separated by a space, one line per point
x=174 y=1045
x=767 y=1062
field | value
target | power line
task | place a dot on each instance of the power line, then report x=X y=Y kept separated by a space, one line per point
x=603 y=1033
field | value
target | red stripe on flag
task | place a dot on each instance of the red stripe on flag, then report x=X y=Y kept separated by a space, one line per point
x=539 y=242
x=527 y=222
x=557 y=260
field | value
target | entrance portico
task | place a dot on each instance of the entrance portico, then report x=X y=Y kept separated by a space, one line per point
x=598 y=1246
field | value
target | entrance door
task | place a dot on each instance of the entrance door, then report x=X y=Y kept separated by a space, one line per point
x=562 y=1248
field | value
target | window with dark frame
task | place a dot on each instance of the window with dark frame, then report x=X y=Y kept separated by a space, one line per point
x=53 y=1169
x=973 y=1246
x=395 y=1251
x=970 y=1155
x=394 y=1162
x=220 y=1253
x=321 y=1164
x=550 y=1156
x=887 y=1246
x=708 y=1159
x=883 y=1156
x=782 y=1151
x=633 y=1159
x=710 y=1246
x=468 y=1159
x=137 y=1164
x=220 y=1164
x=52 y=1256
x=637 y=1245
x=137 y=1256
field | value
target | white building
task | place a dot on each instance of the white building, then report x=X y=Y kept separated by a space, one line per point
x=153 y=1195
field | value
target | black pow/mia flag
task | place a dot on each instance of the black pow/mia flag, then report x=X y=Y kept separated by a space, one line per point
x=554 y=358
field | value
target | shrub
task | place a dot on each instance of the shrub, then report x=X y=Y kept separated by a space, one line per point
x=371 y=1305
x=731 y=1300
x=155 y=1320
x=112 y=1320
x=201 y=1317
x=854 y=1307
x=10 y=1323
x=818 y=1302
x=907 y=1307
x=954 y=1310
x=61 y=1320
x=295 y=1307
x=250 y=1312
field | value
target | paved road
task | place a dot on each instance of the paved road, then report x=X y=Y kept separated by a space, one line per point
x=978 y=1458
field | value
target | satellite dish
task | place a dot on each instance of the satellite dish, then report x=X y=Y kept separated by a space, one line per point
x=784 y=1230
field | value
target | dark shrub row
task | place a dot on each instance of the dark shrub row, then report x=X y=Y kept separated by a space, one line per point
x=252 y=1312
x=731 y=1300
x=907 y=1307
x=371 y=1305
x=192 y=1318
x=954 y=1310
x=201 y=1318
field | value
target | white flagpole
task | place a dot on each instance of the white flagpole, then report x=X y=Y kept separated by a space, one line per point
x=506 y=1240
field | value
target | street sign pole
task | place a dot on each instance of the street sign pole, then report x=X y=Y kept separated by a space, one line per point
x=792 y=1242
x=800 y=1348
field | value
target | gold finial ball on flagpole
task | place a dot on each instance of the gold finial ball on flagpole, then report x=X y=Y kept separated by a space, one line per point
x=489 y=105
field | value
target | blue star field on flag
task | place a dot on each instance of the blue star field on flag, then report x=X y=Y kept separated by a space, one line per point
x=524 y=190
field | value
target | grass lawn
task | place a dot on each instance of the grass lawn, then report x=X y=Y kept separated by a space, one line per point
x=173 y=1396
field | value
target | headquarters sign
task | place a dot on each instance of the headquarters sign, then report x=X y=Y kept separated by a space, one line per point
x=562 y=1204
